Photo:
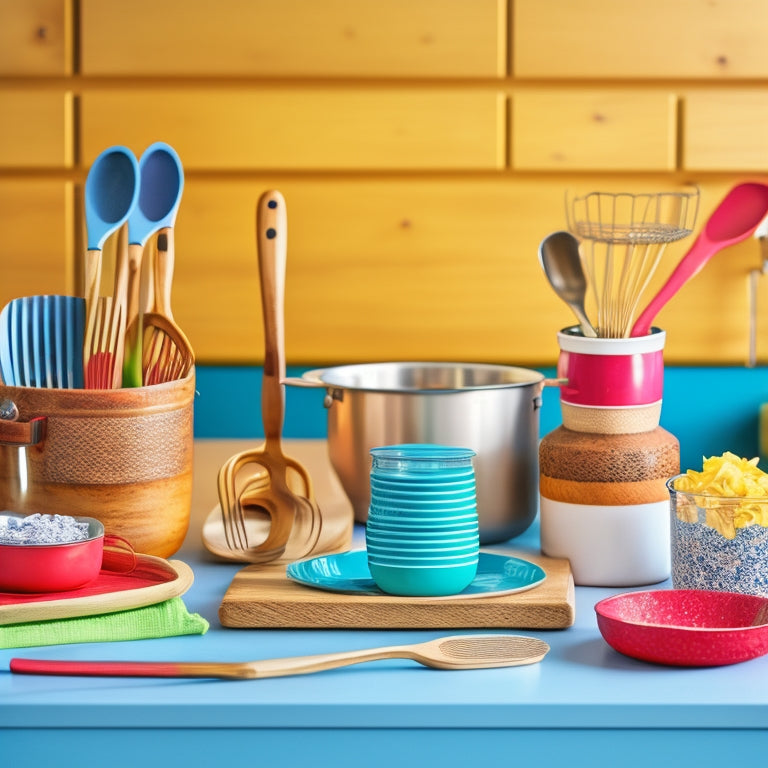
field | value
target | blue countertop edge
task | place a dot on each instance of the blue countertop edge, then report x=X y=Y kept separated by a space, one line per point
x=709 y=409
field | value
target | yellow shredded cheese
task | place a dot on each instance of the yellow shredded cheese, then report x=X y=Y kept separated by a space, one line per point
x=732 y=491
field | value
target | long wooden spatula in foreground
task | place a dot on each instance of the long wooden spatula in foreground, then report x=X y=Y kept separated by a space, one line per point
x=454 y=652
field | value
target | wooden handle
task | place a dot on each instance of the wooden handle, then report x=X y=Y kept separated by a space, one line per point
x=163 y=273
x=19 y=433
x=271 y=240
x=131 y=346
x=302 y=665
x=116 y=339
x=92 y=285
x=297 y=665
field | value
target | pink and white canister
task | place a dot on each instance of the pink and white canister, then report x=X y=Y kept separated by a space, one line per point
x=611 y=386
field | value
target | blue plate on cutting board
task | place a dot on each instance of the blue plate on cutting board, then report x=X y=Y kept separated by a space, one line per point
x=348 y=573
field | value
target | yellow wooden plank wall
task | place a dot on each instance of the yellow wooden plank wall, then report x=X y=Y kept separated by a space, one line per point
x=36 y=227
x=36 y=131
x=289 y=38
x=699 y=39
x=36 y=37
x=304 y=129
x=424 y=148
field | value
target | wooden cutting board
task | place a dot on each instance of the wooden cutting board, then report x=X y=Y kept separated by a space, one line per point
x=263 y=597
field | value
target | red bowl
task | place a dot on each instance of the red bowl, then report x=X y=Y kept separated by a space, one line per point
x=685 y=627
x=60 y=567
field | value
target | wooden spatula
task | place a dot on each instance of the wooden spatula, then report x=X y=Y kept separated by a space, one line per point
x=455 y=652
x=167 y=354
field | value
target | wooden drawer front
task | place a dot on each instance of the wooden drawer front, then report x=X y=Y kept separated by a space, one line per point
x=36 y=246
x=626 y=38
x=432 y=38
x=35 y=129
x=35 y=38
x=726 y=131
x=593 y=130
x=303 y=128
x=429 y=269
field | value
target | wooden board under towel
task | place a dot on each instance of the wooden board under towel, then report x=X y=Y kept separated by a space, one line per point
x=263 y=597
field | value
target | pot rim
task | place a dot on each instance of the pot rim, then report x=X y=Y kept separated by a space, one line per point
x=352 y=377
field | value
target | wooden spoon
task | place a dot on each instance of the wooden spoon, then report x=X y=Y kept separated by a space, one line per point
x=111 y=192
x=454 y=652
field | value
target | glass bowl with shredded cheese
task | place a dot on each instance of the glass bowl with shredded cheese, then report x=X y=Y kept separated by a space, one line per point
x=719 y=526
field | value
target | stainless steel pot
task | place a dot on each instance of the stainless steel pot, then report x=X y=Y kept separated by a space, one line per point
x=492 y=409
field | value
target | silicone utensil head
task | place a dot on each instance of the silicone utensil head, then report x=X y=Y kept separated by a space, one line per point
x=161 y=183
x=111 y=192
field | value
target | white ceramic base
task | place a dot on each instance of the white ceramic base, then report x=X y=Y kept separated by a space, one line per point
x=609 y=546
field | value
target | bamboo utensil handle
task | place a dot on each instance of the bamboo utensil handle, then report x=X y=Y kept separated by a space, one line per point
x=271 y=237
x=250 y=670
x=119 y=303
x=131 y=367
x=92 y=283
x=163 y=267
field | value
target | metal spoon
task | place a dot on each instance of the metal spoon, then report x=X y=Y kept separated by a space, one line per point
x=456 y=652
x=560 y=260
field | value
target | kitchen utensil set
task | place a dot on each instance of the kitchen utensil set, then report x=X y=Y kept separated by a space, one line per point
x=98 y=342
x=623 y=238
x=287 y=498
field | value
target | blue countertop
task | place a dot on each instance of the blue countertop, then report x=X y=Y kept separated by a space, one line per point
x=585 y=703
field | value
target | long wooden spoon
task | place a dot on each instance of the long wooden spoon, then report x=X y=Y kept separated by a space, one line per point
x=161 y=184
x=111 y=193
x=453 y=652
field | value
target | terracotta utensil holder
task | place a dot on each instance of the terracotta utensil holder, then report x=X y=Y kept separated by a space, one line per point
x=122 y=456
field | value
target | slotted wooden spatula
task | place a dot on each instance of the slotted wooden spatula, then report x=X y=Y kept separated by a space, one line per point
x=167 y=354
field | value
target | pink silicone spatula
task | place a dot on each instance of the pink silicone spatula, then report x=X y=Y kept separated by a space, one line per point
x=734 y=219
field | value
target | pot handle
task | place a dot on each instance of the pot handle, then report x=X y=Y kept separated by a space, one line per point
x=22 y=433
x=537 y=400
x=312 y=379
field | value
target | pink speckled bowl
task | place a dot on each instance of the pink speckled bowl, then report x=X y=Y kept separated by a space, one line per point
x=685 y=627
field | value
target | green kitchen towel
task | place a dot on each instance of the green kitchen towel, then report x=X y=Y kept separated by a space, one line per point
x=166 y=619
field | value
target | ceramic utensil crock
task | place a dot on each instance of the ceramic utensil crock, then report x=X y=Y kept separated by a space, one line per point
x=603 y=473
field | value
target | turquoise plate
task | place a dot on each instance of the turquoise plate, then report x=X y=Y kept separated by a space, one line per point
x=348 y=573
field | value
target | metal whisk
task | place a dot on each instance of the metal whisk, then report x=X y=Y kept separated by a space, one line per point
x=623 y=239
